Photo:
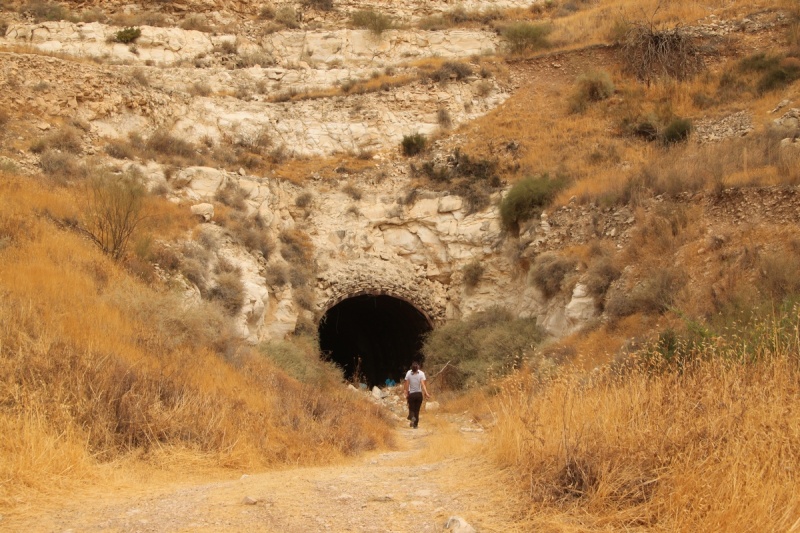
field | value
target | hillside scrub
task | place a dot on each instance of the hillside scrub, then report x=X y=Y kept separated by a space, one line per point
x=527 y=198
x=488 y=344
x=95 y=366
x=688 y=419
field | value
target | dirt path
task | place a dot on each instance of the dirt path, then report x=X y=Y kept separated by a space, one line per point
x=436 y=475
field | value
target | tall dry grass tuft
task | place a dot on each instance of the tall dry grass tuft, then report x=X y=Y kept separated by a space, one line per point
x=95 y=365
x=703 y=437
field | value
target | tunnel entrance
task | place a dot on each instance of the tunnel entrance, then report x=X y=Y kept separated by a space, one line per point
x=374 y=337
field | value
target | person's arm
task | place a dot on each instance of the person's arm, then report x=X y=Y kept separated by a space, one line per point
x=405 y=387
x=425 y=388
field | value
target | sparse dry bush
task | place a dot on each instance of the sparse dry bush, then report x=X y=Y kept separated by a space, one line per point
x=413 y=144
x=250 y=232
x=649 y=53
x=304 y=199
x=232 y=195
x=60 y=166
x=163 y=142
x=592 y=86
x=228 y=291
x=599 y=277
x=304 y=297
x=549 y=271
x=450 y=71
x=472 y=272
x=352 y=191
x=120 y=149
x=277 y=274
x=114 y=210
x=287 y=16
x=322 y=5
x=296 y=248
x=65 y=139
x=197 y=22
x=43 y=11
x=200 y=89
x=652 y=295
x=443 y=118
x=371 y=20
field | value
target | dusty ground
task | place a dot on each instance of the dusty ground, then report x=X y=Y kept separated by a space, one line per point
x=436 y=474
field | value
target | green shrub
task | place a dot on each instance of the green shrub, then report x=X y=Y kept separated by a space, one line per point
x=371 y=20
x=677 y=130
x=527 y=198
x=487 y=344
x=413 y=144
x=592 y=86
x=127 y=35
x=785 y=73
x=300 y=358
x=524 y=36
x=758 y=62
x=549 y=271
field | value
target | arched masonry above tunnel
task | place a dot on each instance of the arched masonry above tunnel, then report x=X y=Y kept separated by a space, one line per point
x=383 y=278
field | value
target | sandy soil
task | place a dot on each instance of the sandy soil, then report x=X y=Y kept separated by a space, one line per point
x=436 y=474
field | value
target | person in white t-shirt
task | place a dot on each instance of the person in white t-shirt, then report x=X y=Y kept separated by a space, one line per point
x=414 y=388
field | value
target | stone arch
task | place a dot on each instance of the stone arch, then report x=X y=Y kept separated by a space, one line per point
x=373 y=327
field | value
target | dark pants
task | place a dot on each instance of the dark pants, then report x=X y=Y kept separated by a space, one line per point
x=414 y=403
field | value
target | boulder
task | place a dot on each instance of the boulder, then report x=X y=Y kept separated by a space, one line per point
x=204 y=211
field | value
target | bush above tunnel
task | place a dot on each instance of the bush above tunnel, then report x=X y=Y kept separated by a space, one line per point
x=487 y=344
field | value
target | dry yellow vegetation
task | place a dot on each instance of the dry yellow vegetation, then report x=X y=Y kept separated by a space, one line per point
x=96 y=366
x=705 y=438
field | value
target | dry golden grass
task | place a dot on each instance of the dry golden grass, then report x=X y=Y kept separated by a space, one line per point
x=712 y=447
x=95 y=366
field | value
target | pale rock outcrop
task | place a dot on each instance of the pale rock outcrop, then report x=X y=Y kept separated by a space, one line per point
x=204 y=211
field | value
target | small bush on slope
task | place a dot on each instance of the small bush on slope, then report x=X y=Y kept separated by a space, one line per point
x=487 y=344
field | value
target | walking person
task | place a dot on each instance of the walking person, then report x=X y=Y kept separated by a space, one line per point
x=414 y=388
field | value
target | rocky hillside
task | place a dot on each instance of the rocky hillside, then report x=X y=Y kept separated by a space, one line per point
x=289 y=131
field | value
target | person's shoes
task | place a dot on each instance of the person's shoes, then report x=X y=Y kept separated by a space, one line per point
x=414 y=425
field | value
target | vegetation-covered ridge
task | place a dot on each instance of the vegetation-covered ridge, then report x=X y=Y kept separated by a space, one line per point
x=96 y=366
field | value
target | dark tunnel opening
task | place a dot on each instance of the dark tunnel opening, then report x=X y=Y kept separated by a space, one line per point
x=374 y=337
